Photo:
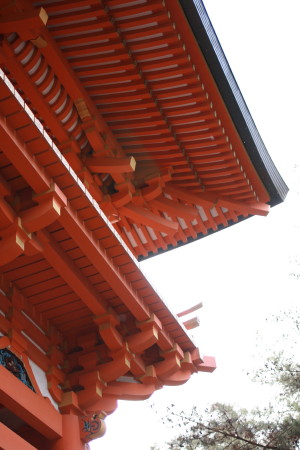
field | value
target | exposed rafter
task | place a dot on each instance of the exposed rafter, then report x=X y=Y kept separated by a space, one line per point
x=211 y=199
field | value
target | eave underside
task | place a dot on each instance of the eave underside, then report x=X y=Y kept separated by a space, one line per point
x=132 y=105
x=92 y=322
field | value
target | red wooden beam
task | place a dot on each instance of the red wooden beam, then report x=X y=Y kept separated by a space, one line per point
x=17 y=154
x=208 y=365
x=130 y=391
x=26 y=23
x=4 y=187
x=107 y=328
x=41 y=216
x=104 y=164
x=7 y=215
x=62 y=69
x=71 y=274
x=144 y=216
x=23 y=79
x=175 y=208
x=190 y=310
x=212 y=199
x=112 y=370
x=177 y=378
x=12 y=246
x=192 y=323
x=141 y=341
x=30 y=407
x=100 y=259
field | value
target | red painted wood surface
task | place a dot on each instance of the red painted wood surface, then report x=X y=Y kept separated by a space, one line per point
x=115 y=144
x=122 y=83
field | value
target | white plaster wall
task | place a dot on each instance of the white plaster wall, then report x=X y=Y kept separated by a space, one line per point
x=41 y=380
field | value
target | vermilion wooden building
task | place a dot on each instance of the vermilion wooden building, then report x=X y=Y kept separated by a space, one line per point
x=122 y=134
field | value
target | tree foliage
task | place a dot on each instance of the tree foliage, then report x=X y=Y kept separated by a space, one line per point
x=222 y=426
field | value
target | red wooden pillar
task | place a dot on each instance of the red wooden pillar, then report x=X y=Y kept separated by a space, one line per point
x=71 y=434
x=70 y=412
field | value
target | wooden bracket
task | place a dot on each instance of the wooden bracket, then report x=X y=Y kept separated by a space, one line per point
x=27 y=24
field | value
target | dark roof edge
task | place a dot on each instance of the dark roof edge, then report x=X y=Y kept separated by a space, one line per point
x=216 y=60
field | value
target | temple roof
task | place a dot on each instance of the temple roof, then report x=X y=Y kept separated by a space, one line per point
x=210 y=47
x=140 y=99
x=122 y=134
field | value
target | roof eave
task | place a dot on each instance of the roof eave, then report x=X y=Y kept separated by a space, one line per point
x=211 y=49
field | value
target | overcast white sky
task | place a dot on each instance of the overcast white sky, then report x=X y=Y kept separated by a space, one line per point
x=240 y=274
